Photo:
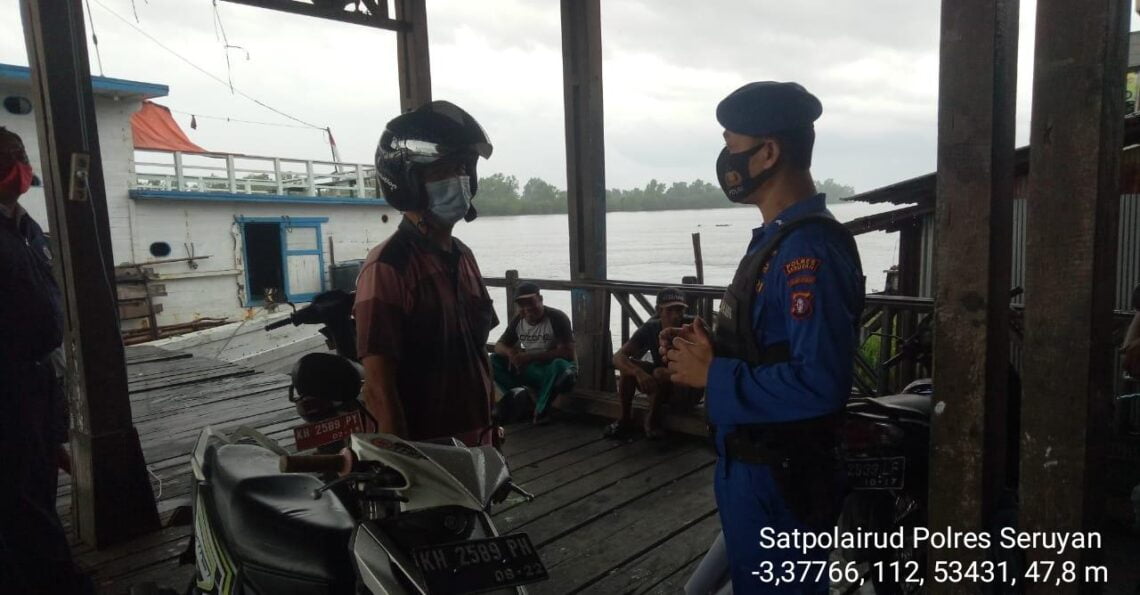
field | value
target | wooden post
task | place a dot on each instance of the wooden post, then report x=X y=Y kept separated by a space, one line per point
x=512 y=290
x=977 y=87
x=586 y=184
x=112 y=499
x=151 y=315
x=1071 y=235
x=910 y=258
x=695 y=304
x=179 y=181
x=700 y=262
x=886 y=340
x=277 y=176
x=624 y=327
x=412 y=57
x=231 y=175
x=910 y=270
x=311 y=182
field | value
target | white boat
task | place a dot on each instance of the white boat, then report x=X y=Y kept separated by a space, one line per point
x=201 y=238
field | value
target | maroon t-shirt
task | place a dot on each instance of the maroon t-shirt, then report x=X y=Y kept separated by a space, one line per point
x=429 y=311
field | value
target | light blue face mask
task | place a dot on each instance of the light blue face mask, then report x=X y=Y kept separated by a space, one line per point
x=450 y=199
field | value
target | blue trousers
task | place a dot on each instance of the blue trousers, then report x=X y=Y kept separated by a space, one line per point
x=749 y=500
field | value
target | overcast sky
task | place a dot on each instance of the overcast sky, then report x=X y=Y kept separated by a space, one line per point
x=874 y=65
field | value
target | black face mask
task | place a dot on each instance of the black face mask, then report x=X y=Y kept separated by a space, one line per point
x=732 y=173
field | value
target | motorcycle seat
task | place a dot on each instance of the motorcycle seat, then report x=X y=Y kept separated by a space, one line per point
x=904 y=404
x=270 y=518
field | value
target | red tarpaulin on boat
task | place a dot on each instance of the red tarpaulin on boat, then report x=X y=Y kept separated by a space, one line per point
x=154 y=128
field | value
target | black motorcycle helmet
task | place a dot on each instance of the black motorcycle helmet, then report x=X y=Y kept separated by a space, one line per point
x=325 y=385
x=432 y=133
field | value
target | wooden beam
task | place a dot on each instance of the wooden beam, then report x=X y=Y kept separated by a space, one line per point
x=910 y=280
x=910 y=256
x=586 y=183
x=512 y=287
x=973 y=214
x=890 y=220
x=112 y=499
x=379 y=20
x=412 y=56
x=1078 y=104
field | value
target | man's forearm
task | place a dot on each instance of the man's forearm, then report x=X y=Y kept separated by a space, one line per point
x=381 y=397
x=624 y=363
x=505 y=350
x=385 y=406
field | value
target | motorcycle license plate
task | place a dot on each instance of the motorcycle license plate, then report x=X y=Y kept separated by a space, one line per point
x=480 y=564
x=321 y=433
x=876 y=474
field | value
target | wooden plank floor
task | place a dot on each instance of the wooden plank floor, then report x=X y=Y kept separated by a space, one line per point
x=608 y=517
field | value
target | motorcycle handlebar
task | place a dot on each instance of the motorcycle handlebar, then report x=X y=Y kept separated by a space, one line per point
x=340 y=463
x=280 y=323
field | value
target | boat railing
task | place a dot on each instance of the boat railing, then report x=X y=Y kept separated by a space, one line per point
x=234 y=173
x=887 y=323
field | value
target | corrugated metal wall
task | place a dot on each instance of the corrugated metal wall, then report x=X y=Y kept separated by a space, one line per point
x=1128 y=249
x=1128 y=255
x=1017 y=266
x=1128 y=263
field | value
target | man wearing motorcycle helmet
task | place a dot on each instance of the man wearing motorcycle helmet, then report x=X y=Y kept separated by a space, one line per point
x=422 y=311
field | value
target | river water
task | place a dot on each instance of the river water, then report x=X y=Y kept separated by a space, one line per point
x=653 y=246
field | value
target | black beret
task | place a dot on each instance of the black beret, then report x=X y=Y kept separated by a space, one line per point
x=765 y=107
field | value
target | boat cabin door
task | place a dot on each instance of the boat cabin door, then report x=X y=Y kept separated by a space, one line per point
x=283 y=259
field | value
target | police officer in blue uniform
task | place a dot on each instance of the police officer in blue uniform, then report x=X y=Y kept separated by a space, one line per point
x=34 y=555
x=777 y=367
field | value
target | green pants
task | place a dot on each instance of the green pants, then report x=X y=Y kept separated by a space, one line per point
x=538 y=377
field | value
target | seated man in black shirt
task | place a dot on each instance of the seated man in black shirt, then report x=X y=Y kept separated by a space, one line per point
x=536 y=350
x=651 y=377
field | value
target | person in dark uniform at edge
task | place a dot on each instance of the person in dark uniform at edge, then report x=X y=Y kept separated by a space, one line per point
x=422 y=310
x=777 y=368
x=34 y=555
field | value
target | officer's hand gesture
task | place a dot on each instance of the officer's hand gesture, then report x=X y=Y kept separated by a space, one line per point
x=689 y=354
x=666 y=336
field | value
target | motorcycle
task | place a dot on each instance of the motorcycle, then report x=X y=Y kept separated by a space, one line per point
x=885 y=445
x=382 y=515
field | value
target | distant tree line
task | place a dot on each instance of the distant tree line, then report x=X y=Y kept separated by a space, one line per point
x=501 y=194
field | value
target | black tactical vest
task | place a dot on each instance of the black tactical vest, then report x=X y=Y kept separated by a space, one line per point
x=733 y=336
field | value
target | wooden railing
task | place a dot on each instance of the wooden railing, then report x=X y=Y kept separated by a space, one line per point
x=887 y=322
x=250 y=174
x=882 y=364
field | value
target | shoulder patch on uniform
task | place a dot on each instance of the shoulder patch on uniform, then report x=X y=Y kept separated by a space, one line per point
x=801 y=280
x=801 y=264
x=801 y=305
